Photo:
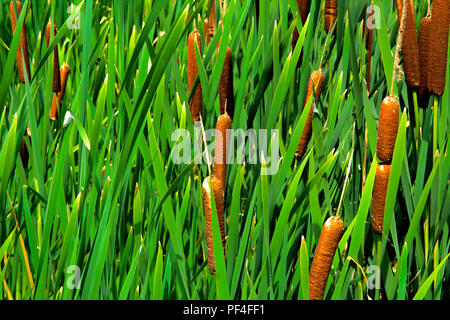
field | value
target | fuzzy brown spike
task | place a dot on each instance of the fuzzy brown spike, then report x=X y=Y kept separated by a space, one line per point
x=379 y=196
x=219 y=202
x=330 y=14
x=303 y=8
x=211 y=26
x=56 y=87
x=65 y=70
x=438 y=47
x=424 y=54
x=22 y=51
x=196 y=104
x=323 y=257
x=410 y=48
x=387 y=129
x=226 y=93
x=221 y=149
x=315 y=81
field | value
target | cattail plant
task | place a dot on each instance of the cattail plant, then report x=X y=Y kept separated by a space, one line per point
x=22 y=55
x=387 y=129
x=379 y=196
x=315 y=82
x=56 y=87
x=424 y=54
x=330 y=14
x=211 y=25
x=219 y=202
x=196 y=104
x=59 y=97
x=323 y=257
x=438 y=47
x=303 y=8
x=410 y=47
x=221 y=145
x=226 y=94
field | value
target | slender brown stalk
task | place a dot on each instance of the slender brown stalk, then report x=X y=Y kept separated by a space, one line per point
x=22 y=51
x=196 y=104
x=316 y=81
x=323 y=257
x=379 y=196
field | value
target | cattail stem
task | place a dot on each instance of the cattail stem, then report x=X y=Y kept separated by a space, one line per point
x=323 y=257
x=22 y=55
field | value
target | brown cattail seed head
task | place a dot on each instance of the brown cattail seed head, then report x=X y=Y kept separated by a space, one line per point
x=226 y=94
x=221 y=149
x=56 y=72
x=379 y=196
x=196 y=104
x=424 y=54
x=211 y=25
x=22 y=50
x=438 y=47
x=323 y=257
x=65 y=70
x=218 y=200
x=54 y=111
x=387 y=129
x=315 y=81
x=330 y=14
x=303 y=8
x=410 y=48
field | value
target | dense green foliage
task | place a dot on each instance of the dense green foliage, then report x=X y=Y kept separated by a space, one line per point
x=104 y=195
